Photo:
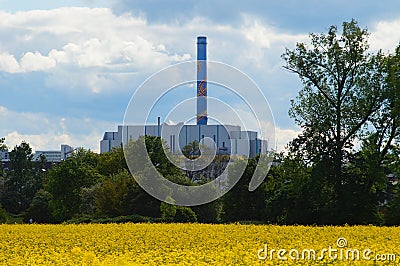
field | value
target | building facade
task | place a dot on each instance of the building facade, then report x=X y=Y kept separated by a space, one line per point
x=228 y=139
x=4 y=156
x=56 y=155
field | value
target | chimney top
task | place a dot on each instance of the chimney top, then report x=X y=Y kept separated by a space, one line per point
x=201 y=40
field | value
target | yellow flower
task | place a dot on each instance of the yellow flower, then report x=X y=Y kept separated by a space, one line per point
x=197 y=244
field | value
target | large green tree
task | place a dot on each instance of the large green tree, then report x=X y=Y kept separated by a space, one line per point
x=342 y=90
x=117 y=195
x=344 y=95
x=240 y=204
x=66 y=181
x=22 y=179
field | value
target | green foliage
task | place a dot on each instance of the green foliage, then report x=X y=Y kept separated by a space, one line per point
x=168 y=211
x=291 y=193
x=239 y=203
x=113 y=196
x=22 y=179
x=181 y=214
x=209 y=212
x=192 y=150
x=112 y=162
x=39 y=210
x=349 y=95
x=185 y=215
x=143 y=159
x=392 y=211
x=342 y=90
x=88 y=196
x=134 y=218
x=214 y=169
x=3 y=146
x=66 y=180
x=3 y=215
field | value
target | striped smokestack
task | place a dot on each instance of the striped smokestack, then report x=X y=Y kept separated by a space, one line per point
x=202 y=80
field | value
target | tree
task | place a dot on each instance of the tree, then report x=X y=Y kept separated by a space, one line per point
x=112 y=162
x=3 y=147
x=192 y=150
x=344 y=91
x=3 y=215
x=379 y=151
x=185 y=215
x=39 y=210
x=292 y=196
x=154 y=151
x=88 y=200
x=115 y=195
x=66 y=180
x=22 y=179
x=214 y=169
x=239 y=203
x=209 y=213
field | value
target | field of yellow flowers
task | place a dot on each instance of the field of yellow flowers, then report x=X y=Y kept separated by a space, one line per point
x=197 y=244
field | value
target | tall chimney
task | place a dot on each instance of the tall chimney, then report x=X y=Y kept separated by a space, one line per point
x=202 y=80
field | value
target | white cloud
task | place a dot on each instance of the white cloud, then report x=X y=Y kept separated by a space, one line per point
x=284 y=136
x=36 y=62
x=8 y=63
x=84 y=43
x=48 y=132
x=45 y=141
x=385 y=35
x=81 y=41
x=51 y=141
x=266 y=42
x=264 y=36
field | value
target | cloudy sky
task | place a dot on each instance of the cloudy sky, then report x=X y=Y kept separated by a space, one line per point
x=69 y=68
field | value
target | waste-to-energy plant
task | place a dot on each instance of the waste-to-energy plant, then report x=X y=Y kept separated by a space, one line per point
x=229 y=139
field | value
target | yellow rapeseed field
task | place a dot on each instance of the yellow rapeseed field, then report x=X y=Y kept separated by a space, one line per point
x=197 y=244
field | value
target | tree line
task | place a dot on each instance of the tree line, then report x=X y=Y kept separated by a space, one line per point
x=342 y=168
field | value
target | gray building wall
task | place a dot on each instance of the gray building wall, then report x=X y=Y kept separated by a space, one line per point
x=229 y=139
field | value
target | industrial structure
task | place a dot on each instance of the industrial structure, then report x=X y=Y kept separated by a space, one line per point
x=229 y=139
x=56 y=155
x=53 y=156
x=202 y=81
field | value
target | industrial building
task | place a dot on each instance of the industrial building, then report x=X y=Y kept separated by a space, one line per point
x=54 y=156
x=229 y=139
x=4 y=156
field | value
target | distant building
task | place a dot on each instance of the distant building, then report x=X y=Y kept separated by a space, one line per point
x=4 y=156
x=54 y=156
x=229 y=139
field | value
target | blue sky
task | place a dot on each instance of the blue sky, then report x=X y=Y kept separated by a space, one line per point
x=69 y=68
